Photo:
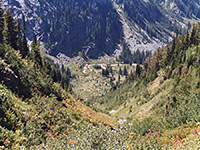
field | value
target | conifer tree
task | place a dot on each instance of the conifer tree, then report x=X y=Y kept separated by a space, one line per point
x=126 y=55
x=131 y=75
x=38 y=57
x=62 y=75
x=33 y=47
x=173 y=45
x=193 y=35
x=34 y=39
x=119 y=78
x=14 y=36
x=68 y=72
x=62 y=69
x=23 y=24
x=172 y=52
x=1 y=24
x=120 y=71
x=65 y=77
x=6 y=37
x=167 y=57
x=103 y=72
x=8 y=27
x=138 y=70
x=9 y=33
x=35 y=51
x=125 y=72
x=18 y=35
x=187 y=38
x=176 y=34
x=24 y=48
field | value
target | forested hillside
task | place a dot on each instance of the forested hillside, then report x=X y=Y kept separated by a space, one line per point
x=92 y=23
x=177 y=63
x=186 y=8
x=36 y=107
x=162 y=96
x=72 y=26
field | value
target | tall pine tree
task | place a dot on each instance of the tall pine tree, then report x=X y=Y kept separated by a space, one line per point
x=125 y=72
x=9 y=34
x=1 y=24
x=138 y=70
x=18 y=34
x=24 y=47
x=8 y=27
x=35 y=52
x=187 y=38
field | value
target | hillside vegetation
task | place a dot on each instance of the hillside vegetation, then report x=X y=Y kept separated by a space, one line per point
x=159 y=102
x=37 y=109
x=164 y=93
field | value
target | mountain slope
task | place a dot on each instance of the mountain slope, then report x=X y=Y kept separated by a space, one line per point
x=136 y=37
x=72 y=26
x=185 y=8
x=36 y=108
x=96 y=27
x=168 y=69
x=160 y=101
x=149 y=16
